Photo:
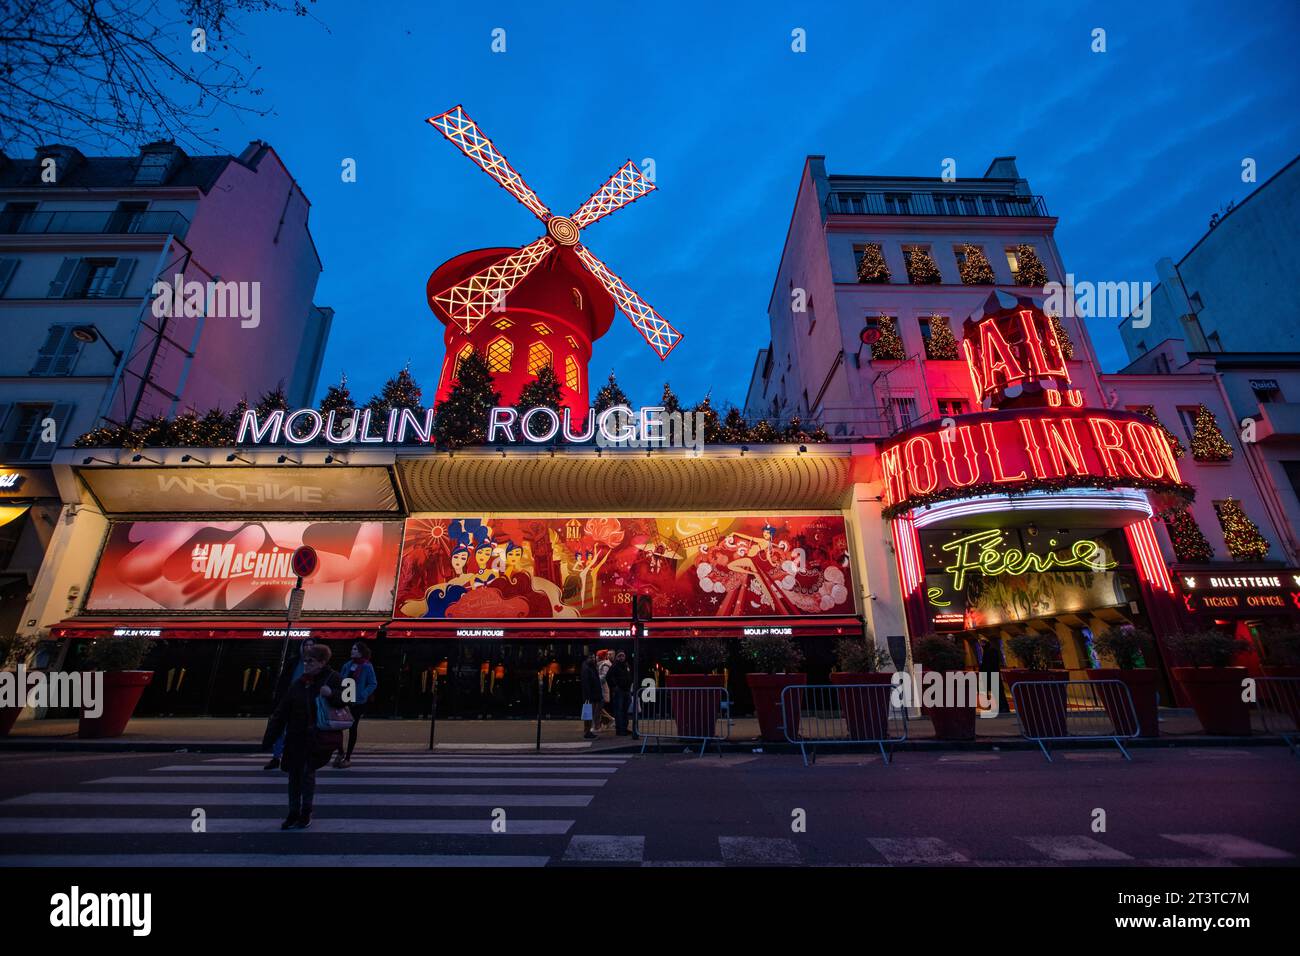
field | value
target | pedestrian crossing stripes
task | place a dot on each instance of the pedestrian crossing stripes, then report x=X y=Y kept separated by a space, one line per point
x=349 y=780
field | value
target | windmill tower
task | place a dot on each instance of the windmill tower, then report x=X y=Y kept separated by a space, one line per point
x=541 y=304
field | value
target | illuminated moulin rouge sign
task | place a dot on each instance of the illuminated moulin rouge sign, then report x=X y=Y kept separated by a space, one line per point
x=1023 y=450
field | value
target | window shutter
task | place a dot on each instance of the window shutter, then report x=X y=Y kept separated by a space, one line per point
x=121 y=275
x=7 y=269
x=65 y=359
x=49 y=352
x=61 y=412
x=59 y=287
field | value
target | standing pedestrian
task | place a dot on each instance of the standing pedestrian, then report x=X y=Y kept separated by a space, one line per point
x=307 y=745
x=281 y=688
x=591 y=696
x=619 y=679
x=604 y=661
x=362 y=671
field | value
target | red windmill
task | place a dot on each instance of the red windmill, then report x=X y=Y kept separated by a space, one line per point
x=544 y=303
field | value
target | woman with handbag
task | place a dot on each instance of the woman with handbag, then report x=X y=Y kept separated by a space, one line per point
x=312 y=716
x=362 y=672
x=592 y=697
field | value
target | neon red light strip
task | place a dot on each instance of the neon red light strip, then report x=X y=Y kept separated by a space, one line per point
x=907 y=551
x=1146 y=551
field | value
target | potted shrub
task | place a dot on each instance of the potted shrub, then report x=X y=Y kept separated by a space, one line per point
x=696 y=711
x=1211 y=683
x=1128 y=647
x=119 y=658
x=774 y=657
x=1281 y=653
x=13 y=651
x=863 y=662
x=938 y=654
x=1043 y=710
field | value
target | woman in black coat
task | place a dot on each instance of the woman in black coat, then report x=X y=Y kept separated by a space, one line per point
x=306 y=747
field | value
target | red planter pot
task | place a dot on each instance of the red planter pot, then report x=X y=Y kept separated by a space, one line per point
x=695 y=713
x=1041 y=712
x=766 y=689
x=952 y=723
x=1142 y=684
x=122 y=691
x=865 y=712
x=1215 y=693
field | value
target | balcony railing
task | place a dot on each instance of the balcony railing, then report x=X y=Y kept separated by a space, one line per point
x=852 y=202
x=93 y=222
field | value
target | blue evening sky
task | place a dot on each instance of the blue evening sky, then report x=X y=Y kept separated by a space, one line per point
x=1133 y=149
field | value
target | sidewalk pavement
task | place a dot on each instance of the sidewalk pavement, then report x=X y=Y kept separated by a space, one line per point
x=1177 y=726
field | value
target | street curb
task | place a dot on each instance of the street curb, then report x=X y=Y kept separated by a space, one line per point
x=987 y=745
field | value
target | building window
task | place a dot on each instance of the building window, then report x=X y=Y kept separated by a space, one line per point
x=1213 y=340
x=1013 y=262
x=499 y=353
x=16 y=216
x=539 y=357
x=59 y=354
x=573 y=343
x=952 y=406
x=1188 y=417
x=466 y=351
x=24 y=438
x=902 y=410
x=1266 y=390
x=1292 y=469
x=127 y=217
x=541 y=329
x=577 y=297
x=972 y=265
x=921 y=267
x=503 y=324
x=153 y=168
x=572 y=377
x=91 y=279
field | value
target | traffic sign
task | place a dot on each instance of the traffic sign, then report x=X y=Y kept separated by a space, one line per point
x=305 y=561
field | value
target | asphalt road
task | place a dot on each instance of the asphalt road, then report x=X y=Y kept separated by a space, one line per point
x=1168 y=807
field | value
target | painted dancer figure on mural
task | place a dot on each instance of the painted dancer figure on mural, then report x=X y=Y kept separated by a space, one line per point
x=438 y=598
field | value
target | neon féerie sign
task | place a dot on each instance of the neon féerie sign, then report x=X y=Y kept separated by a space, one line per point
x=980 y=553
x=1026 y=449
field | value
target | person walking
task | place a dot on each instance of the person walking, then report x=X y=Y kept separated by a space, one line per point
x=307 y=746
x=591 y=695
x=604 y=661
x=619 y=679
x=286 y=680
x=359 y=669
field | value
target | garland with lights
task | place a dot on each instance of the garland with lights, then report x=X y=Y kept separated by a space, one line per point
x=1208 y=443
x=1031 y=270
x=1063 y=337
x=889 y=347
x=1240 y=534
x=1175 y=445
x=1182 y=492
x=1189 y=542
x=921 y=268
x=974 y=266
x=941 y=345
x=872 y=268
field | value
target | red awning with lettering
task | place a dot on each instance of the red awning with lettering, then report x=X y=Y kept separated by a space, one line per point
x=580 y=630
x=185 y=629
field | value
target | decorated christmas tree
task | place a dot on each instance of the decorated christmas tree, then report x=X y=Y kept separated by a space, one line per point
x=712 y=423
x=1240 y=534
x=610 y=395
x=1067 y=347
x=921 y=269
x=941 y=345
x=819 y=435
x=338 y=398
x=542 y=392
x=400 y=391
x=1208 y=443
x=763 y=433
x=974 y=266
x=237 y=416
x=155 y=432
x=1030 y=269
x=463 y=418
x=794 y=432
x=1189 y=543
x=735 y=431
x=215 y=429
x=889 y=347
x=270 y=401
x=1175 y=446
x=872 y=268
x=187 y=430
x=670 y=401
x=106 y=436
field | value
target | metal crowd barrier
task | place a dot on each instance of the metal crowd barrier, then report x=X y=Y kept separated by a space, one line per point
x=1055 y=710
x=684 y=713
x=1278 y=701
x=829 y=714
